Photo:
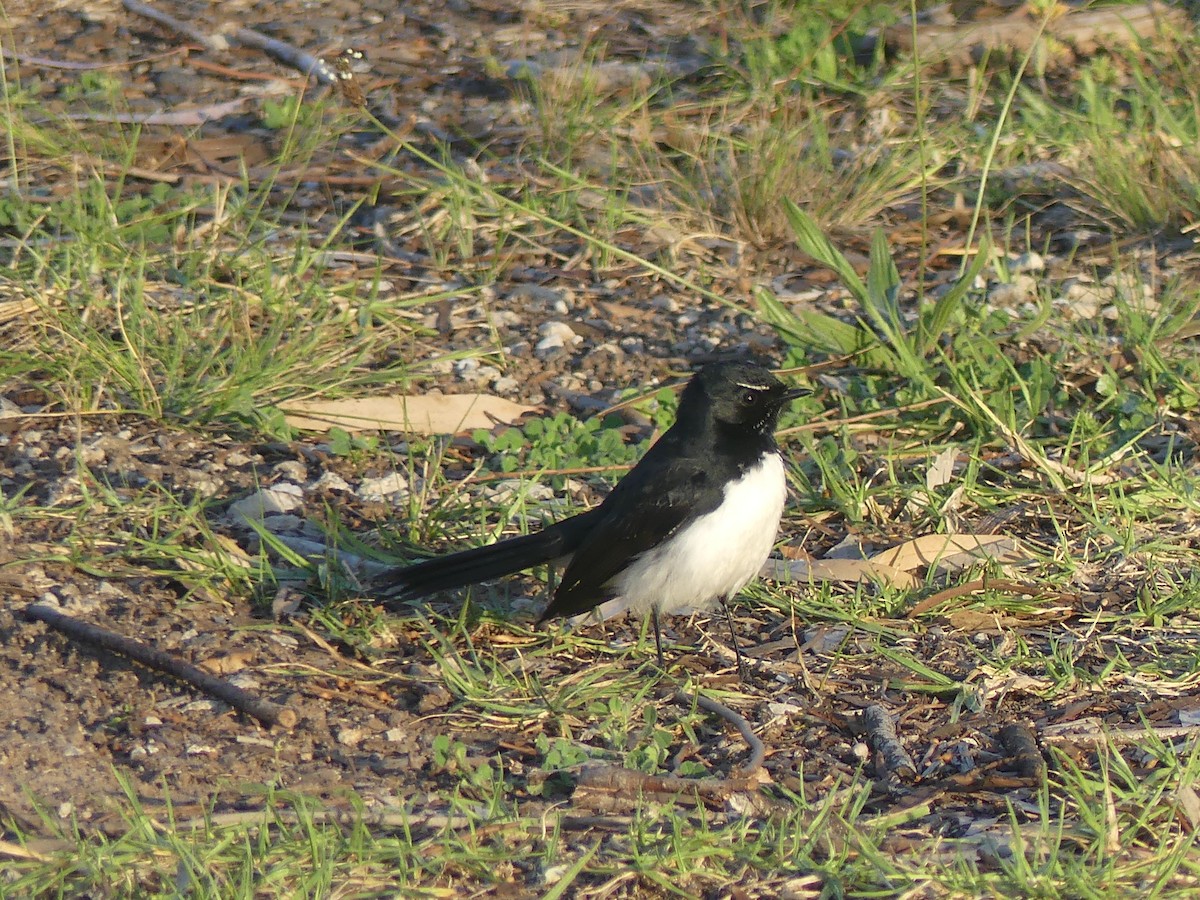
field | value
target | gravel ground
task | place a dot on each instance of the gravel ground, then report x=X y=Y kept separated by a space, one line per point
x=74 y=718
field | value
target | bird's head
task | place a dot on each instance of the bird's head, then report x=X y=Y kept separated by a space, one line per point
x=738 y=395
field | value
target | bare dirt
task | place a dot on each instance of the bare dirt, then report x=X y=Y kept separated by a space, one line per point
x=76 y=720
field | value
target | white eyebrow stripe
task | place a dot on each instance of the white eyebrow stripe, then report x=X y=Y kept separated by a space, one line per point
x=753 y=387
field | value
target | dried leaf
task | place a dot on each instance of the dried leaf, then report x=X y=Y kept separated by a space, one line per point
x=181 y=118
x=227 y=663
x=947 y=551
x=430 y=413
x=941 y=470
x=271 y=501
x=841 y=570
x=11 y=310
x=1189 y=805
x=996 y=681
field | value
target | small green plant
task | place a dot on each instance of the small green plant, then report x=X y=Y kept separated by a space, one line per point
x=343 y=443
x=820 y=45
x=560 y=753
x=97 y=86
x=560 y=441
x=279 y=114
x=450 y=756
x=883 y=335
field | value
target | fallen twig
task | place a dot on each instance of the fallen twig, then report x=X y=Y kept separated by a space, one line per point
x=178 y=117
x=892 y=761
x=191 y=32
x=1018 y=31
x=387 y=817
x=757 y=750
x=770 y=671
x=611 y=787
x=1083 y=733
x=281 y=51
x=71 y=65
x=285 y=53
x=999 y=585
x=1019 y=742
x=266 y=711
x=982 y=781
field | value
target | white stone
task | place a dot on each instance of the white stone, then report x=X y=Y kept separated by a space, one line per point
x=332 y=481
x=1029 y=262
x=555 y=335
x=390 y=487
x=270 y=501
x=1013 y=293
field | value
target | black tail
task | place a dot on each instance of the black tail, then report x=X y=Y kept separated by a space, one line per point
x=456 y=570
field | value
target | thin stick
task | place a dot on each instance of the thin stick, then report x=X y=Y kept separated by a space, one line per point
x=189 y=31
x=629 y=783
x=891 y=759
x=279 y=50
x=1101 y=734
x=70 y=65
x=1019 y=742
x=288 y=55
x=1000 y=585
x=265 y=711
x=757 y=750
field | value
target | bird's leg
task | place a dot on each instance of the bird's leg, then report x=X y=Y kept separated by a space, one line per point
x=737 y=651
x=657 y=637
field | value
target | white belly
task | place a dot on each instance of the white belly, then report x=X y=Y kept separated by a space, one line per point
x=717 y=554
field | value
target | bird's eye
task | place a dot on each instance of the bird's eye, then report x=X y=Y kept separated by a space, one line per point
x=749 y=397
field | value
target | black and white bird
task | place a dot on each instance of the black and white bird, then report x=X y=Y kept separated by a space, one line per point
x=686 y=528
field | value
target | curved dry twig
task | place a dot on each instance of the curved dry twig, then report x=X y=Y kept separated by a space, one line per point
x=757 y=750
x=892 y=761
x=266 y=711
x=188 y=30
x=1020 y=742
x=281 y=51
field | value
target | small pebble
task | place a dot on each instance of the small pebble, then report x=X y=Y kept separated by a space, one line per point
x=1014 y=293
x=332 y=481
x=392 y=487
x=555 y=335
x=292 y=469
x=280 y=498
x=550 y=298
x=1029 y=262
x=1084 y=301
x=506 y=318
x=633 y=345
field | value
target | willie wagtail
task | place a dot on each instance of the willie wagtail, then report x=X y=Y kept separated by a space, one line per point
x=689 y=525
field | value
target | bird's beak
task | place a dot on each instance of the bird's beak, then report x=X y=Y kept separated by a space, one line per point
x=793 y=394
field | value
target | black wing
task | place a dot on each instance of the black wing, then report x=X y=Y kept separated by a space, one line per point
x=663 y=492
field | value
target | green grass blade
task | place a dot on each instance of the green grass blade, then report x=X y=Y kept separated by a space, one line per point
x=813 y=241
